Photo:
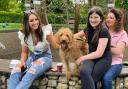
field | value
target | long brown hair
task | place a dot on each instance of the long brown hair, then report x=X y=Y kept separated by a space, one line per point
x=95 y=37
x=125 y=21
x=26 y=28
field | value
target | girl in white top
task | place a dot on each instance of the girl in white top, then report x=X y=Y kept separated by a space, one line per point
x=36 y=55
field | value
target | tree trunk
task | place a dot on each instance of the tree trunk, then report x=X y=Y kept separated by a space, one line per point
x=41 y=13
x=77 y=17
x=94 y=2
x=90 y=3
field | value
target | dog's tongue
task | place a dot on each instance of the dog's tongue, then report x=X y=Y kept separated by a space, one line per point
x=63 y=45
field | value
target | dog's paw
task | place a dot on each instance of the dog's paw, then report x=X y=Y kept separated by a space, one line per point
x=68 y=75
x=77 y=72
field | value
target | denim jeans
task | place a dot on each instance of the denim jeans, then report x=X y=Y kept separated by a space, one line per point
x=91 y=71
x=19 y=81
x=111 y=74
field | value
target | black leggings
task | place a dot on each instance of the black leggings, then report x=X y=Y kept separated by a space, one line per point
x=91 y=71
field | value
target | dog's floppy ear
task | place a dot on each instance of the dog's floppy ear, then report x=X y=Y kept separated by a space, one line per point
x=56 y=37
x=70 y=34
x=71 y=39
x=57 y=34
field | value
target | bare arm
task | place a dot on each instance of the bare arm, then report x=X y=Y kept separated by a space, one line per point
x=120 y=47
x=96 y=54
x=81 y=34
x=100 y=49
x=24 y=55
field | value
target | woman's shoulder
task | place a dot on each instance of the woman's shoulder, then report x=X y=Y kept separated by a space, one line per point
x=124 y=32
x=104 y=30
x=20 y=34
x=104 y=33
x=124 y=37
x=121 y=33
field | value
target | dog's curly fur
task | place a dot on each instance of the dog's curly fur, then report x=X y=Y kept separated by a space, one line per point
x=70 y=48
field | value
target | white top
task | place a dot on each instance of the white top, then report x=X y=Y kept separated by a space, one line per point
x=41 y=45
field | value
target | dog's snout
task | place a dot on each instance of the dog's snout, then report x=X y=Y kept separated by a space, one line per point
x=63 y=41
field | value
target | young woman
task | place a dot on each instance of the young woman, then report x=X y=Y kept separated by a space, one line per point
x=119 y=40
x=36 y=55
x=98 y=61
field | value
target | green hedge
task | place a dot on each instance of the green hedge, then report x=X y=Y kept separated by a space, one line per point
x=61 y=18
x=10 y=17
x=13 y=17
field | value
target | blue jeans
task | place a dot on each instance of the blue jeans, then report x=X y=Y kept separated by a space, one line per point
x=19 y=81
x=111 y=74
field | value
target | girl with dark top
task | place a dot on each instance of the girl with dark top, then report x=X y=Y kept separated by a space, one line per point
x=98 y=60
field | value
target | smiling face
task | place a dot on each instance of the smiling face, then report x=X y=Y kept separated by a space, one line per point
x=94 y=20
x=110 y=20
x=33 y=22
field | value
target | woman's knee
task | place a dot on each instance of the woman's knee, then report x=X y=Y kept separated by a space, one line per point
x=107 y=77
x=84 y=71
x=38 y=66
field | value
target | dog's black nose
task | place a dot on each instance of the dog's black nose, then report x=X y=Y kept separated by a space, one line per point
x=63 y=41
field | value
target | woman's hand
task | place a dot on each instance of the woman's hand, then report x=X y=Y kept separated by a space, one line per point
x=23 y=64
x=79 y=60
x=20 y=65
x=52 y=39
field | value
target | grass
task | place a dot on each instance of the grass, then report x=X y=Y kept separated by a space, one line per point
x=10 y=26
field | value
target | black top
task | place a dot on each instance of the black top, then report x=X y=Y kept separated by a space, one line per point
x=103 y=34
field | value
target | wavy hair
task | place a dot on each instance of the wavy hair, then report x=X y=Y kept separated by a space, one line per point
x=118 y=15
x=26 y=28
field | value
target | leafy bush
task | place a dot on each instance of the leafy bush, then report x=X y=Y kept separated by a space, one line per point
x=62 y=18
x=10 y=17
x=13 y=17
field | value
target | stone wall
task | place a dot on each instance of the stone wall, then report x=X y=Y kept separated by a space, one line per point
x=60 y=82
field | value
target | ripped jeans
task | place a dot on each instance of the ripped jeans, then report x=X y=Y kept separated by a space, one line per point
x=19 y=81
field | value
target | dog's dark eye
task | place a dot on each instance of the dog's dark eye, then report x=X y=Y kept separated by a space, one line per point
x=61 y=34
x=67 y=35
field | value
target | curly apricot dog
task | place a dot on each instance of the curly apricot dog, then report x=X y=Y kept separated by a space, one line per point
x=71 y=48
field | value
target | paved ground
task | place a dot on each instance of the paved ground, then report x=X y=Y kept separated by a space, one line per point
x=13 y=47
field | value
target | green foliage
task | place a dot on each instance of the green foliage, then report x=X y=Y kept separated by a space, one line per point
x=15 y=6
x=102 y=4
x=62 y=18
x=84 y=8
x=10 y=5
x=118 y=3
x=122 y=4
x=59 y=6
x=10 y=17
x=4 y=5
